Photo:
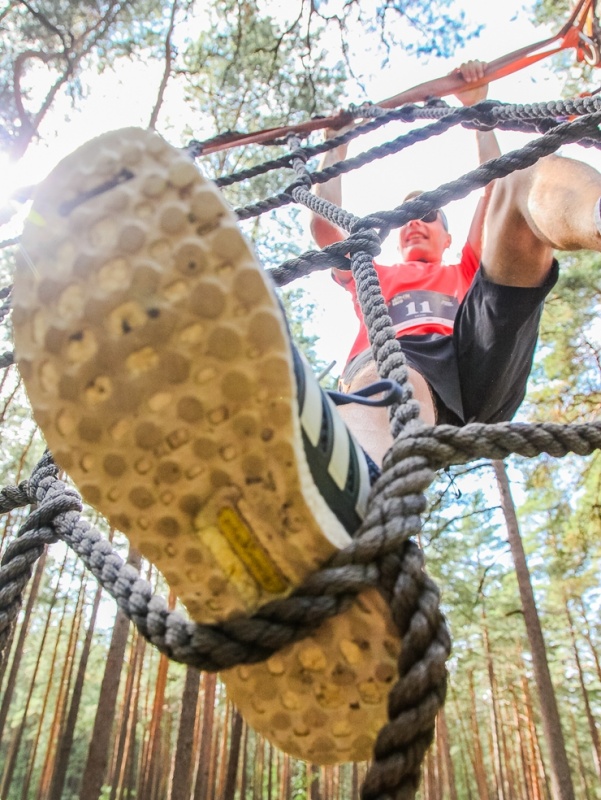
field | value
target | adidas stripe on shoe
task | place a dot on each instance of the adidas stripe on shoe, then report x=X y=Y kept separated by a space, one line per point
x=159 y=368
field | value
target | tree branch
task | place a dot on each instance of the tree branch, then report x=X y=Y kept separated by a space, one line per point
x=9 y=242
x=18 y=65
x=167 y=71
x=30 y=124
x=47 y=24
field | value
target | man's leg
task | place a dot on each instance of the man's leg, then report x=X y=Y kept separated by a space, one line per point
x=550 y=205
x=553 y=204
x=371 y=426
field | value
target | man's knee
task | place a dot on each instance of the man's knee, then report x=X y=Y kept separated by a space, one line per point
x=515 y=251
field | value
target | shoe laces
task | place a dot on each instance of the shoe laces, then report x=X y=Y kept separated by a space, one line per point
x=391 y=393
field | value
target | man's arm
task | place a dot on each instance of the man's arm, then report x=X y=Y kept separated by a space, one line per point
x=323 y=231
x=488 y=146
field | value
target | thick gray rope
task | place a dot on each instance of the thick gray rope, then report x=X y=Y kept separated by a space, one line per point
x=420 y=691
x=527 y=118
x=480 y=115
x=382 y=556
x=454 y=190
x=442 y=445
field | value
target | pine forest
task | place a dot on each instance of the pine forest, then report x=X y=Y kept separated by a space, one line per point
x=88 y=708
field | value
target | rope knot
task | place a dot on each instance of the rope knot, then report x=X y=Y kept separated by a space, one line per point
x=299 y=152
x=363 y=241
x=44 y=469
x=194 y=149
x=482 y=116
x=303 y=182
x=436 y=102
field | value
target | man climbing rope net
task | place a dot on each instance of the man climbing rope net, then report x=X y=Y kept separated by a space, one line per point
x=468 y=331
x=159 y=367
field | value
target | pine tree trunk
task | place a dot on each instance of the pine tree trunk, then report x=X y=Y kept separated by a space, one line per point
x=244 y=771
x=258 y=768
x=126 y=725
x=98 y=752
x=445 y=749
x=181 y=781
x=508 y=755
x=223 y=748
x=201 y=791
x=153 y=763
x=479 y=769
x=286 y=782
x=270 y=771
x=586 y=630
x=592 y=725
x=20 y=643
x=581 y=768
x=494 y=710
x=131 y=768
x=233 y=756
x=67 y=736
x=521 y=755
x=10 y=762
x=561 y=778
x=355 y=783
x=312 y=782
x=538 y=772
x=25 y=791
x=132 y=762
x=466 y=753
x=60 y=704
x=161 y=783
x=11 y=759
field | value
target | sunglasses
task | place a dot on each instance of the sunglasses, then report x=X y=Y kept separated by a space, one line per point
x=432 y=216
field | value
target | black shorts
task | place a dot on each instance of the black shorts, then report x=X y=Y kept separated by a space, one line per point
x=480 y=372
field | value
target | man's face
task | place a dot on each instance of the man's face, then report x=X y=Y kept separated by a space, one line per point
x=424 y=241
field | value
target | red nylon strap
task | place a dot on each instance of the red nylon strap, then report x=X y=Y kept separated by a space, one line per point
x=567 y=37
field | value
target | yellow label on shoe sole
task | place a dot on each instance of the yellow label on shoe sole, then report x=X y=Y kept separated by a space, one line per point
x=250 y=551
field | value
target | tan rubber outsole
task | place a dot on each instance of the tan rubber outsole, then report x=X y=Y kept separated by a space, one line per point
x=158 y=367
x=325 y=699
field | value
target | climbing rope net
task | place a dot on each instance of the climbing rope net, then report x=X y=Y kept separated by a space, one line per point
x=384 y=554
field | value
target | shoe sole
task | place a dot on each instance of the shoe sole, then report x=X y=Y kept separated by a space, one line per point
x=158 y=365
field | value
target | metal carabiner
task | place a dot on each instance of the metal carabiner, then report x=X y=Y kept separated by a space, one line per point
x=590 y=52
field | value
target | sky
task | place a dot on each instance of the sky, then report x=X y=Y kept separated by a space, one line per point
x=125 y=98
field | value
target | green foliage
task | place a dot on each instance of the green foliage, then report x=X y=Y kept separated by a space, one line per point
x=246 y=72
x=566 y=381
x=441 y=28
x=579 y=76
x=46 y=48
x=551 y=10
x=298 y=313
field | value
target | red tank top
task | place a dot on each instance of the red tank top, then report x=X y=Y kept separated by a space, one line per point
x=421 y=297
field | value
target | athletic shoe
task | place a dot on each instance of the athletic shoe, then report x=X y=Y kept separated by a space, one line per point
x=159 y=368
